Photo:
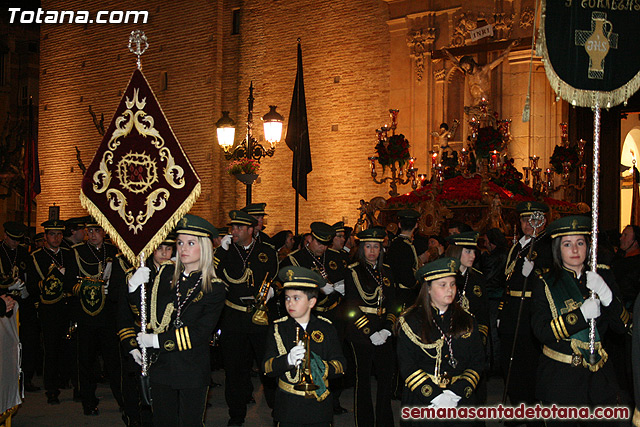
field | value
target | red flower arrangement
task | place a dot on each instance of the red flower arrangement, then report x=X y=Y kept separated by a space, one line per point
x=489 y=139
x=510 y=178
x=243 y=166
x=396 y=150
x=562 y=154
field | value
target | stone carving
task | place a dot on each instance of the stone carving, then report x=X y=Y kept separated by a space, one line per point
x=419 y=42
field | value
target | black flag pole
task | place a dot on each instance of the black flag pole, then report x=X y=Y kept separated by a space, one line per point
x=298 y=139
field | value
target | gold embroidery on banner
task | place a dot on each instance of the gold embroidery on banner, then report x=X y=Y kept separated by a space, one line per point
x=137 y=172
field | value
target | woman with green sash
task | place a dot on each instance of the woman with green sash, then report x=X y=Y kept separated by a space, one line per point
x=568 y=374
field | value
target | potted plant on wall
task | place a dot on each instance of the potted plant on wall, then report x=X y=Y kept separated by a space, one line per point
x=245 y=170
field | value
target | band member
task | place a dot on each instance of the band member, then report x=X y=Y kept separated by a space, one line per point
x=568 y=373
x=519 y=267
x=371 y=314
x=97 y=328
x=440 y=351
x=257 y=210
x=248 y=267
x=185 y=301
x=404 y=260
x=74 y=231
x=303 y=351
x=13 y=269
x=328 y=263
x=472 y=295
x=47 y=272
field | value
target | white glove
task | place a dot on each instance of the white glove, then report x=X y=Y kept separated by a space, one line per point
x=376 y=338
x=339 y=286
x=447 y=399
x=137 y=356
x=270 y=294
x=226 y=242
x=106 y=274
x=327 y=289
x=596 y=283
x=148 y=340
x=527 y=267
x=24 y=294
x=18 y=285
x=296 y=354
x=384 y=334
x=590 y=309
x=139 y=277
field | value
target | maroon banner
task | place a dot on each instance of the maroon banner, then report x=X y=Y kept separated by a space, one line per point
x=140 y=182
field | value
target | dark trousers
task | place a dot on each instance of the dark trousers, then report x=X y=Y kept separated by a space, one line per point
x=522 y=383
x=54 y=330
x=134 y=409
x=237 y=349
x=96 y=337
x=178 y=407
x=29 y=338
x=378 y=360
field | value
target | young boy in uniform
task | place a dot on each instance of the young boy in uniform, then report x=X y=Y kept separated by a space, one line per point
x=286 y=354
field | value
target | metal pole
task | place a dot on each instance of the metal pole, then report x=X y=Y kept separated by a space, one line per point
x=594 y=221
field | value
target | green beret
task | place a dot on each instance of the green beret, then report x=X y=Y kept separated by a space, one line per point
x=569 y=226
x=408 y=214
x=196 y=226
x=77 y=222
x=527 y=208
x=442 y=267
x=468 y=239
x=338 y=227
x=323 y=232
x=242 y=218
x=374 y=234
x=255 y=209
x=14 y=230
x=54 y=225
x=294 y=277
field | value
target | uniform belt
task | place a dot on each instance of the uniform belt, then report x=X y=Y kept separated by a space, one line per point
x=285 y=386
x=325 y=309
x=236 y=306
x=518 y=294
x=372 y=310
x=570 y=359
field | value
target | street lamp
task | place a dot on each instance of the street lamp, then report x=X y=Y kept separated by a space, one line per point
x=249 y=148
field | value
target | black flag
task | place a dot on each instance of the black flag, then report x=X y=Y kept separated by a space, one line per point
x=298 y=133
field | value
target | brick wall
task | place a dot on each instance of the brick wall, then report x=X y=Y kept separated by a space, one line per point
x=346 y=62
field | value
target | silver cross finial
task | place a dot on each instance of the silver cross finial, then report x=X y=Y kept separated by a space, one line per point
x=139 y=39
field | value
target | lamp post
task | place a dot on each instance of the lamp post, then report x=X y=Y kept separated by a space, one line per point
x=249 y=148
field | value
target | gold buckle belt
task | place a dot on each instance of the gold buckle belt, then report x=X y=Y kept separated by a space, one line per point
x=570 y=359
x=372 y=310
x=518 y=294
x=236 y=306
x=325 y=309
x=285 y=386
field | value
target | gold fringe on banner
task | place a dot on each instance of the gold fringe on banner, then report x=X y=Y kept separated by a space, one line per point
x=581 y=97
x=159 y=236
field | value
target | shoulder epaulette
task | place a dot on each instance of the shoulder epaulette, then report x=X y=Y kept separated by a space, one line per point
x=167 y=262
x=333 y=250
x=293 y=252
x=64 y=248
x=77 y=244
x=477 y=271
x=355 y=264
x=36 y=251
x=271 y=245
x=280 y=320
x=386 y=265
x=603 y=267
x=325 y=319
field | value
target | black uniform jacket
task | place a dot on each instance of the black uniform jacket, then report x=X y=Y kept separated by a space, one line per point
x=13 y=265
x=554 y=325
x=417 y=361
x=182 y=361
x=471 y=286
x=331 y=265
x=291 y=405
x=49 y=274
x=370 y=303
x=403 y=259
x=244 y=272
x=509 y=306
